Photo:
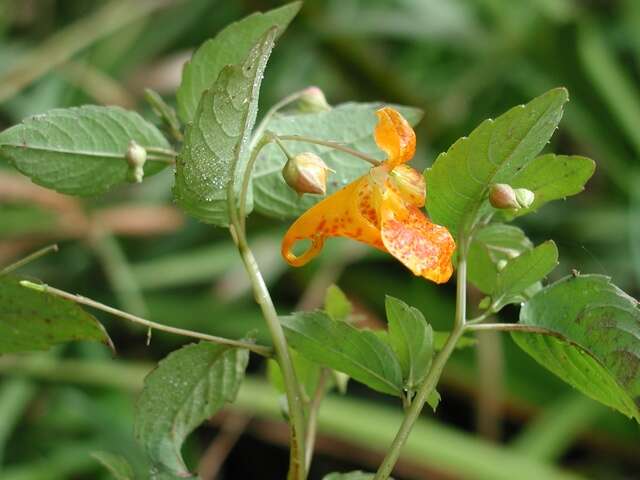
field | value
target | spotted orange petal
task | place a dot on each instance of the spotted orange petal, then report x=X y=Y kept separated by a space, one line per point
x=395 y=137
x=350 y=212
x=425 y=248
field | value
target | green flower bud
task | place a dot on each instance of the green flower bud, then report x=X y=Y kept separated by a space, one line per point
x=136 y=157
x=525 y=197
x=306 y=173
x=501 y=265
x=485 y=303
x=313 y=100
x=502 y=196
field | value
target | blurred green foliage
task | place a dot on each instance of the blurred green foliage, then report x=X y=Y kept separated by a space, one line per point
x=461 y=61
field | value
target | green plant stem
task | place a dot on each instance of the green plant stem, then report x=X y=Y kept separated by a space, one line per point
x=412 y=413
x=297 y=469
x=334 y=145
x=264 y=141
x=28 y=259
x=259 y=349
x=259 y=131
x=312 y=421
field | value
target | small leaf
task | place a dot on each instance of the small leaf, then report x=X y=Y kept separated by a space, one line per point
x=551 y=177
x=214 y=153
x=116 y=464
x=229 y=47
x=350 y=124
x=492 y=245
x=433 y=400
x=336 y=304
x=32 y=320
x=494 y=152
x=440 y=338
x=598 y=349
x=357 y=475
x=411 y=338
x=186 y=388
x=80 y=150
x=525 y=270
x=359 y=353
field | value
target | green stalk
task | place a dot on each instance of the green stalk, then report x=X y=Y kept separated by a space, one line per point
x=297 y=470
x=431 y=380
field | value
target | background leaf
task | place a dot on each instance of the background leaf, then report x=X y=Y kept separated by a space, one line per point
x=411 y=338
x=350 y=124
x=80 y=151
x=598 y=351
x=551 y=177
x=32 y=320
x=493 y=153
x=359 y=353
x=229 y=47
x=189 y=386
x=215 y=143
x=490 y=246
x=336 y=304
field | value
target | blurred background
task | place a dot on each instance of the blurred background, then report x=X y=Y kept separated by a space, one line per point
x=502 y=415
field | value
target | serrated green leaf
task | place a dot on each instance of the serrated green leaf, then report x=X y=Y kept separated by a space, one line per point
x=494 y=152
x=80 y=150
x=117 y=465
x=525 y=270
x=186 y=388
x=214 y=152
x=357 y=475
x=336 y=304
x=411 y=338
x=492 y=245
x=598 y=349
x=351 y=124
x=359 y=353
x=32 y=320
x=551 y=177
x=229 y=47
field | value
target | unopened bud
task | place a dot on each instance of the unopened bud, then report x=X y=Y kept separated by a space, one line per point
x=306 y=173
x=312 y=100
x=503 y=196
x=136 y=157
x=501 y=265
x=485 y=303
x=525 y=197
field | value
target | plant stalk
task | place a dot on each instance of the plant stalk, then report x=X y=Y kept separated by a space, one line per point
x=28 y=259
x=259 y=349
x=431 y=380
x=297 y=470
x=334 y=145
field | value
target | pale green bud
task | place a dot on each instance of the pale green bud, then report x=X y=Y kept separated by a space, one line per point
x=136 y=157
x=306 y=173
x=313 y=100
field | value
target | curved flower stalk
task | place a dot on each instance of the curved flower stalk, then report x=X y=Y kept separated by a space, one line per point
x=381 y=209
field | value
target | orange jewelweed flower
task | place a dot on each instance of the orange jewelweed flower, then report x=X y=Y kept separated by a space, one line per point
x=382 y=209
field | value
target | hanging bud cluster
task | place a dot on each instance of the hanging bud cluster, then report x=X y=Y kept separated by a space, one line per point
x=505 y=197
x=312 y=100
x=306 y=173
x=136 y=157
